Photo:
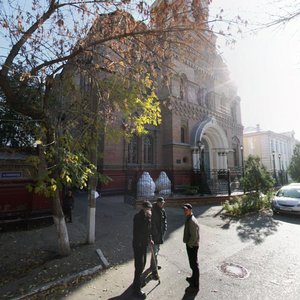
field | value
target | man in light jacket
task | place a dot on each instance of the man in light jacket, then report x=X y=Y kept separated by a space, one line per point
x=191 y=238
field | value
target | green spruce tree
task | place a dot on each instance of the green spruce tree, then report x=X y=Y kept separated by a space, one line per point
x=256 y=178
x=294 y=167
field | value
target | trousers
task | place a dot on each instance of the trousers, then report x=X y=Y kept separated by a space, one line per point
x=154 y=261
x=140 y=257
x=193 y=261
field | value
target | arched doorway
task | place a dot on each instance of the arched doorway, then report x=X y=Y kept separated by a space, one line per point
x=209 y=146
x=209 y=154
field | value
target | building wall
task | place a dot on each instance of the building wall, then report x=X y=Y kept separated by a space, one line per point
x=272 y=148
x=199 y=100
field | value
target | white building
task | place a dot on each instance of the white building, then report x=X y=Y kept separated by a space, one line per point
x=274 y=149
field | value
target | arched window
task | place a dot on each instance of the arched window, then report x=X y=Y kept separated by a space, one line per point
x=183 y=87
x=201 y=96
x=234 y=112
x=236 y=151
x=133 y=151
x=148 y=150
x=210 y=100
x=182 y=134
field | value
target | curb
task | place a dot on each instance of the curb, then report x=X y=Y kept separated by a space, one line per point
x=65 y=280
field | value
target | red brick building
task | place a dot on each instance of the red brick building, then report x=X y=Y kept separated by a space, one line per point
x=201 y=130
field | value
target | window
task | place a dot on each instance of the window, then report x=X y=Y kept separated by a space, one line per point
x=210 y=100
x=201 y=96
x=148 y=150
x=234 y=112
x=183 y=87
x=133 y=151
x=236 y=151
x=182 y=134
x=85 y=84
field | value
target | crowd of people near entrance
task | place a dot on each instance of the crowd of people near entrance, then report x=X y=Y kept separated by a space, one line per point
x=149 y=228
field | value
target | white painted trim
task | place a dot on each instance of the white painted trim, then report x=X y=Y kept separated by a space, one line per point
x=91 y=224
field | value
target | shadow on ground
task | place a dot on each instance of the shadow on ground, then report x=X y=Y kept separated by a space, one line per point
x=254 y=226
x=287 y=218
x=126 y=295
x=29 y=255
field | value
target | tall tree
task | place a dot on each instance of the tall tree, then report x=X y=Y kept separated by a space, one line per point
x=294 y=167
x=256 y=176
x=39 y=39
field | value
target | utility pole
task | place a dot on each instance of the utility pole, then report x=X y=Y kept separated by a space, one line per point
x=274 y=167
x=243 y=167
x=93 y=180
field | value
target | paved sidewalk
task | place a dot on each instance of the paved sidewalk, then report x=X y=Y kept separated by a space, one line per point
x=29 y=261
x=264 y=245
x=29 y=258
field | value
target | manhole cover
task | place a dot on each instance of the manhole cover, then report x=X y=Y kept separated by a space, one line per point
x=234 y=270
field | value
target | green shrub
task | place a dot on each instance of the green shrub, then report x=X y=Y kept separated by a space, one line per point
x=248 y=203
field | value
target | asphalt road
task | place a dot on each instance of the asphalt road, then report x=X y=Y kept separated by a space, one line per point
x=263 y=249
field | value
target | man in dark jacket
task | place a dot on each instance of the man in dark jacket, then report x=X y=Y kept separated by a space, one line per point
x=158 y=230
x=141 y=239
x=191 y=238
x=68 y=205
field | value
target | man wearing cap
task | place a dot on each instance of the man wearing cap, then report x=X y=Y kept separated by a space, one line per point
x=191 y=239
x=158 y=230
x=141 y=239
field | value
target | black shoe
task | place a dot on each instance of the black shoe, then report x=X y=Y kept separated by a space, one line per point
x=192 y=289
x=158 y=267
x=139 y=294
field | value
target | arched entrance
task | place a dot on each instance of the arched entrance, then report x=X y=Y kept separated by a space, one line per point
x=209 y=146
x=209 y=154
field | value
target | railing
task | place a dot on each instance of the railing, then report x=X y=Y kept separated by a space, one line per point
x=220 y=181
x=212 y=182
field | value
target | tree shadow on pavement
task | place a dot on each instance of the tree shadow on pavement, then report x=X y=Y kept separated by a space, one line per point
x=257 y=227
x=229 y=220
x=254 y=226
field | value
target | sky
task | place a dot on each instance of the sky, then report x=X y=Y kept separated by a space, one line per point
x=264 y=66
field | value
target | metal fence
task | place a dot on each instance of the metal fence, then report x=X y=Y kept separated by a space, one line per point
x=220 y=181
x=211 y=182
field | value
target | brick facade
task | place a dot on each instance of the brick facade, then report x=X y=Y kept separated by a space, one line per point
x=201 y=126
x=202 y=109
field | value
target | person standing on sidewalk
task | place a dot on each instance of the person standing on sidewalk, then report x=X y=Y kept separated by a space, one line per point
x=158 y=230
x=191 y=238
x=141 y=239
x=68 y=206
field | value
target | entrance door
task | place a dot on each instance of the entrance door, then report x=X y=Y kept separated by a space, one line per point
x=205 y=159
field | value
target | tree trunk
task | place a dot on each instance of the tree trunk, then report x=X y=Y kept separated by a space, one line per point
x=61 y=227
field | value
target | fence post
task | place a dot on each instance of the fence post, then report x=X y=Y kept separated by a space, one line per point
x=228 y=182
